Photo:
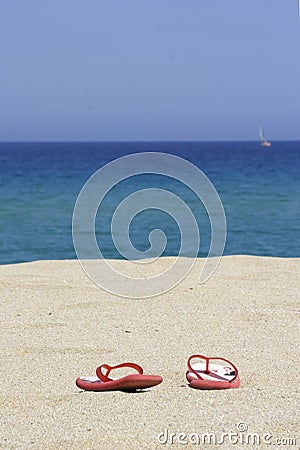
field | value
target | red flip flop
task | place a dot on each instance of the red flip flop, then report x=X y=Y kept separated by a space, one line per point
x=205 y=375
x=130 y=382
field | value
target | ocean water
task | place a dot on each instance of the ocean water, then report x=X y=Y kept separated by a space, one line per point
x=40 y=182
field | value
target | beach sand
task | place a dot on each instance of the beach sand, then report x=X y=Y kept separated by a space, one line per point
x=56 y=325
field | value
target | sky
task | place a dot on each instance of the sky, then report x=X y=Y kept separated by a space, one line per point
x=141 y=70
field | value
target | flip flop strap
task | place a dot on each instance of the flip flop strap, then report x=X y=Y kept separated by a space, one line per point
x=207 y=359
x=104 y=376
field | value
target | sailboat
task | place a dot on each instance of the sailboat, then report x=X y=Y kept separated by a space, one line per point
x=262 y=138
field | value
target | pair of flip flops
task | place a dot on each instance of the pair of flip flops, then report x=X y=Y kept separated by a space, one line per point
x=200 y=375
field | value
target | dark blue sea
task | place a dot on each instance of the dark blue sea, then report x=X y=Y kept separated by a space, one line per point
x=40 y=182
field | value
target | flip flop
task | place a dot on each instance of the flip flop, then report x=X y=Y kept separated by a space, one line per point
x=205 y=375
x=130 y=382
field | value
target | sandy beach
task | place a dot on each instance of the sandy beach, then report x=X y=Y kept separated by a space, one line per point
x=57 y=325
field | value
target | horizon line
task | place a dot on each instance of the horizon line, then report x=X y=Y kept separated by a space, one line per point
x=108 y=141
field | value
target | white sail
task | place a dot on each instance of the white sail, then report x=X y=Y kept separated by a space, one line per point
x=261 y=134
x=262 y=138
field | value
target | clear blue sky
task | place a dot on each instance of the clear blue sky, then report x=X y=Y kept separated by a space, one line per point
x=149 y=69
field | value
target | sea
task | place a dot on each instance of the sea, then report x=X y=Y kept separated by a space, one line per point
x=40 y=182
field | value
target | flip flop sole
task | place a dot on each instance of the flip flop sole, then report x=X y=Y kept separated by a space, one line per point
x=209 y=385
x=128 y=383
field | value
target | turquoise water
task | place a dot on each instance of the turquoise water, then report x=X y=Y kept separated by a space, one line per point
x=39 y=183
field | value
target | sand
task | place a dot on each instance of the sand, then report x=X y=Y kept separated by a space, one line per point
x=56 y=325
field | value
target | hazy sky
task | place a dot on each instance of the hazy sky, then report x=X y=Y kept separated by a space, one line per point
x=149 y=69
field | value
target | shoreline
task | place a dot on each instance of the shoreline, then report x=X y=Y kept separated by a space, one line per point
x=56 y=325
x=237 y=255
